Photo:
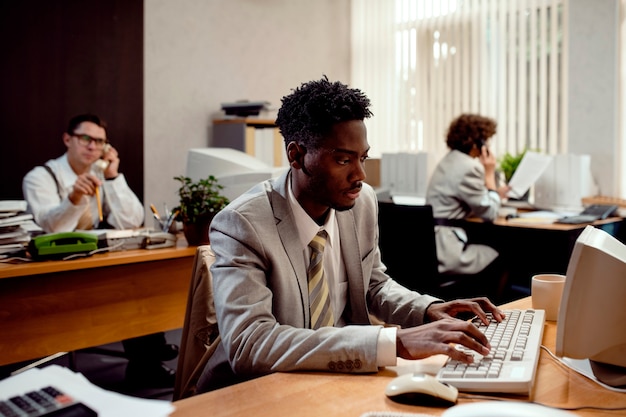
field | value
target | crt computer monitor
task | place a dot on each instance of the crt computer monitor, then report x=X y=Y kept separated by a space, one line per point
x=592 y=317
x=235 y=170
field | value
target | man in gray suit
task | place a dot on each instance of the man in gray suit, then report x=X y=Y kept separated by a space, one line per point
x=261 y=242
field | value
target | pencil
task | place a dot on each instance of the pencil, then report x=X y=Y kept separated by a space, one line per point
x=155 y=212
x=99 y=203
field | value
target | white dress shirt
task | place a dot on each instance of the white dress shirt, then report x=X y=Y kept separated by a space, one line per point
x=336 y=275
x=54 y=212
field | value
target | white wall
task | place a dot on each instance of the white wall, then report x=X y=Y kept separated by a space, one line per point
x=593 y=89
x=201 y=53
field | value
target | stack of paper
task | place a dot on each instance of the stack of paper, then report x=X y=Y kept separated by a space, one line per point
x=16 y=226
x=105 y=403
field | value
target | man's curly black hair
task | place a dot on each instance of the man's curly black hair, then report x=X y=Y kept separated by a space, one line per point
x=309 y=112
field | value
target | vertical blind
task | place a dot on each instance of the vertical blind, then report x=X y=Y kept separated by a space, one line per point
x=622 y=95
x=424 y=62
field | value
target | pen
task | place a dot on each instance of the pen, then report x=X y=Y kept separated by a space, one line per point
x=170 y=220
x=99 y=201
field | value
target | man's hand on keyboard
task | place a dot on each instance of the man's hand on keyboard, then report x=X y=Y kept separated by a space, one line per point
x=439 y=337
x=479 y=306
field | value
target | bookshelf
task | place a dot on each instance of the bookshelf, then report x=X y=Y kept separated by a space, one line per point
x=257 y=137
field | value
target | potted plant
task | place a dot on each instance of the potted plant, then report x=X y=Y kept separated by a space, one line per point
x=200 y=201
x=509 y=163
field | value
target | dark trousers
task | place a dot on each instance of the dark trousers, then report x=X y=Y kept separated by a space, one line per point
x=148 y=348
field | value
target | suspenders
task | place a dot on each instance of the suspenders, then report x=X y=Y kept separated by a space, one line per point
x=56 y=181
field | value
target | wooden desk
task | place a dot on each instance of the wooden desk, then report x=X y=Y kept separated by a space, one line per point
x=342 y=395
x=518 y=222
x=534 y=248
x=56 y=306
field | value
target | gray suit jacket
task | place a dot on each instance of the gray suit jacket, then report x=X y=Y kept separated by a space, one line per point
x=261 y=296
x=457 y=190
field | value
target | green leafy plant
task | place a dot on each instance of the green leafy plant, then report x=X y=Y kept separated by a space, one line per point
x=199 y=199
x=509 y=163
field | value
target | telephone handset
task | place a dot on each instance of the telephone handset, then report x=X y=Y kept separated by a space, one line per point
x=102 y=164
x=57 y=245
x=481 y=143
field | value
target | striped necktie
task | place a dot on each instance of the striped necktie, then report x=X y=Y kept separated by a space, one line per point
x=319 y=298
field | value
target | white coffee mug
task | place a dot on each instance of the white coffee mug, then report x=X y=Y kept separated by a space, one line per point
x=546 y=291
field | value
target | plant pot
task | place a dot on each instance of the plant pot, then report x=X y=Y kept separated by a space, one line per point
x=198 y=233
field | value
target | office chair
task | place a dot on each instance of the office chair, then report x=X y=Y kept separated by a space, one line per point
x=408 y=249
x=200 y=335
x=407 y=244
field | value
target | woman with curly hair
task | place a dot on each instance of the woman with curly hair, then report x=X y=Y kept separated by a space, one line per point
x=464 y=185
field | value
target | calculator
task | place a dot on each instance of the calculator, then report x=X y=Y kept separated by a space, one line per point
x=48 y=401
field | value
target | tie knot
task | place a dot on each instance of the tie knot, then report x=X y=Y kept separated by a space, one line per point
x=319 y=241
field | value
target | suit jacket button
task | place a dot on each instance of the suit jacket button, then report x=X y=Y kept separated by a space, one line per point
x=349 y=365
x=332 y=365
x=357 y=364
x=340 y=365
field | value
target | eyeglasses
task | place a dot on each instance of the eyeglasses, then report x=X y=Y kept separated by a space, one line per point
x=85 y=140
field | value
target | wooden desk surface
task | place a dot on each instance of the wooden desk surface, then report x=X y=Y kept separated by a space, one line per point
x=535 y=224
x=521 y=222
x=181 y=250
x=59 y=306
x=329 y=395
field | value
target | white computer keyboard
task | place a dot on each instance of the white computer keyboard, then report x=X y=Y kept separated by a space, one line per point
x=511 y=365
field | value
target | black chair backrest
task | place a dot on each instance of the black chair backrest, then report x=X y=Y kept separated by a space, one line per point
x=407 y=245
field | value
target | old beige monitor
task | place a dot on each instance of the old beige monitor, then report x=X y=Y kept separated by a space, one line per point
x=235 y=170
x=592 y=317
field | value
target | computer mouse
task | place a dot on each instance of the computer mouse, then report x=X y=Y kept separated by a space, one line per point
x=421 y=389
x=504 y=409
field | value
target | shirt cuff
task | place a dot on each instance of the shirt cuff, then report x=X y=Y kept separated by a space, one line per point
x=386 y=348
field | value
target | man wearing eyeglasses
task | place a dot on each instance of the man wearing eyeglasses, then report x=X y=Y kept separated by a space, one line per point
x=62 y=194
x=83 y=189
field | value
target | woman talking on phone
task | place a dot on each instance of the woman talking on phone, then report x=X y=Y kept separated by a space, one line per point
x=464 y=185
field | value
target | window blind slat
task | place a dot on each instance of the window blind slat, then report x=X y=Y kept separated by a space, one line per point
x=423 y=62
x=522 y=76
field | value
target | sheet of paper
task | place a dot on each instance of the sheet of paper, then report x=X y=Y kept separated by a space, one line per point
x=530 y=168
x=408 y=200
x=15 y=220
x=13 y=205
x=430 y=365
x=536 y=217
